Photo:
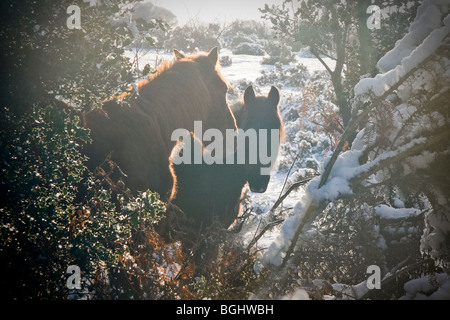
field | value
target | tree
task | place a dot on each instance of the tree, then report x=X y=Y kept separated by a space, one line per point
x=337 y=30
x=394 y=178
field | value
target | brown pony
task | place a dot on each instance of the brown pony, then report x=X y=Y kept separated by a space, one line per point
x=205 y=192
x=138 y=137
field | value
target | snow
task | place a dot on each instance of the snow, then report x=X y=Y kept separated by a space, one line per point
x=430 y=287
x=387 y=212
x=349 y=292
x=298 y=294
x=421 y=161
x=243 y=67
x=420 y=29
x=275 y=253
x=345 y=168
x=436 y=236
x=425 y=36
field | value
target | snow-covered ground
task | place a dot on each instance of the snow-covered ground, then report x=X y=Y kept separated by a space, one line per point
x=249 y=67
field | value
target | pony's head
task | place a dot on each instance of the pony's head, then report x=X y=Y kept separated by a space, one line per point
x=261 y=113
x=220 y=116
x=207 y=189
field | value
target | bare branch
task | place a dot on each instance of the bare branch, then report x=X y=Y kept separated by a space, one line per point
x=264 y=230
x=317 y=55
x=291 y=188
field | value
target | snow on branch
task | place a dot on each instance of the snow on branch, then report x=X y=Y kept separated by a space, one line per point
x=409 y=52
x=343 y=172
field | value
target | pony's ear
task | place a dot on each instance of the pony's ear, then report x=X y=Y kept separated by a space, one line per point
x=213 y=55
x=249 y=95
x=274 y=96
x=178 y=55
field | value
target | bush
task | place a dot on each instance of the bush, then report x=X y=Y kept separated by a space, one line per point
x=280 y=76
x=278 y=53
x=249 y=48
x=225 y=61
x=194 y=36
x=42 y=231
x=242 y=31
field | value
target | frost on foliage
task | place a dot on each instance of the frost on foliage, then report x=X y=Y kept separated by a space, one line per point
x=403 y=122
x=347 y=292
x=431 y=287
x=387 y=212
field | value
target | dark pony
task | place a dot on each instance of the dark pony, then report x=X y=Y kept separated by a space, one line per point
x=137 y=137
x=212 y=192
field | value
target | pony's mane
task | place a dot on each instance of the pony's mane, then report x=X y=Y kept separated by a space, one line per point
x=163 y=67
x=201 y=58
x=185 y=78
x=177 y=94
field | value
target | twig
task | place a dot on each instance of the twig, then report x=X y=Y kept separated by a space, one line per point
x=287 y=175
x=264 y=230
x=288 y=191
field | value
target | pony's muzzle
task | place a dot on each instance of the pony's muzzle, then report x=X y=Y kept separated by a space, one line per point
x=258 y=189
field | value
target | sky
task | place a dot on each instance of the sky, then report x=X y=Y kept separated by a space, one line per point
x=215 y=10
